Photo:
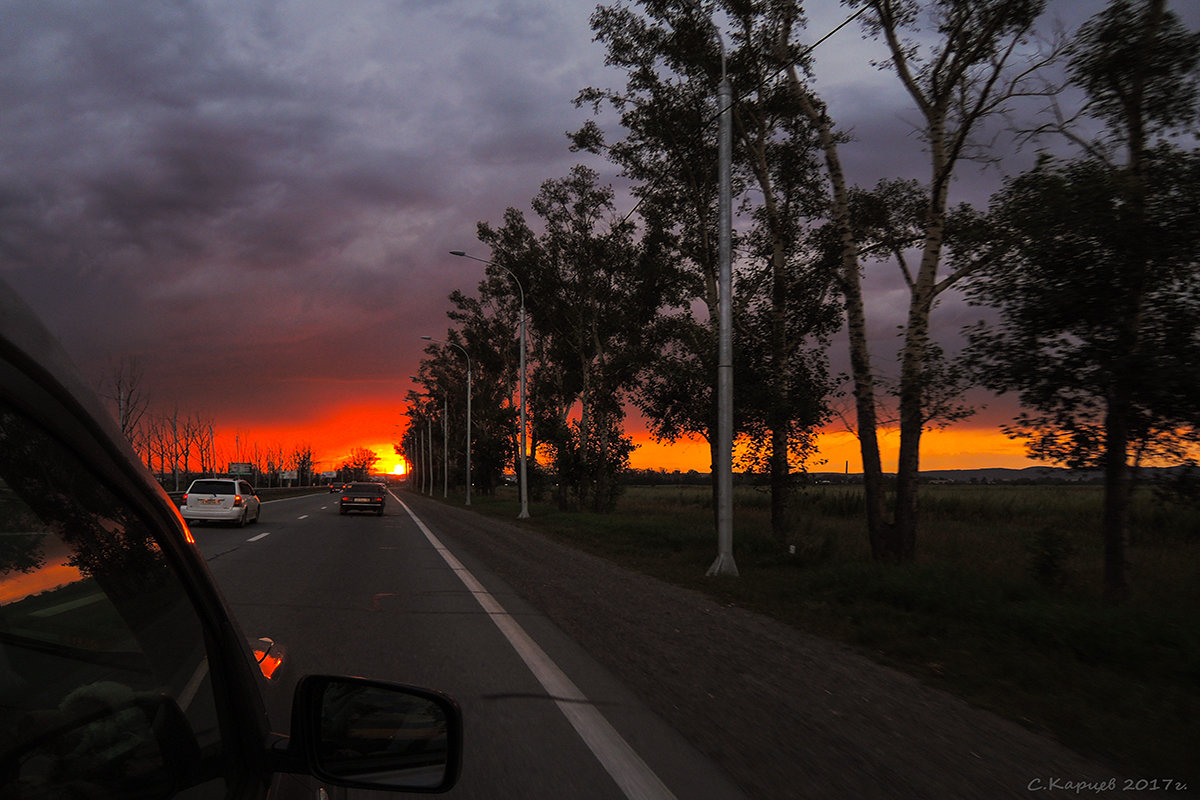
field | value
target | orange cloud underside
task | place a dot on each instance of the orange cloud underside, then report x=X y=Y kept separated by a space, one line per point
x=334 y=435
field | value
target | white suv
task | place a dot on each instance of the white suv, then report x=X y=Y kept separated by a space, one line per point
x=220 y=500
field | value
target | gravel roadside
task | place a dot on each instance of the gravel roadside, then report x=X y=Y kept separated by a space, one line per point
x=786 y=714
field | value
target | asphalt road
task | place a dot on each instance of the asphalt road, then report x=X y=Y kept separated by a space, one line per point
x=383 y=597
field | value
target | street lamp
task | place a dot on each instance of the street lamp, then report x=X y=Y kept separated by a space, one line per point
x=521 y=289
x=445 y=446
x=724 y=564
x=468 y=357
x=445 y=443
x=429 y=441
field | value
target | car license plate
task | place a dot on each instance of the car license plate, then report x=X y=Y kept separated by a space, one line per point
x=362 y=499
x=210 y=501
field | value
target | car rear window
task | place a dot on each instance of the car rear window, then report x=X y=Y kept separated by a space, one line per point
x=366 y=487
x=213 y=487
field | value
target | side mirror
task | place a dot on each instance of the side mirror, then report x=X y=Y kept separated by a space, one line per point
x=371 y=735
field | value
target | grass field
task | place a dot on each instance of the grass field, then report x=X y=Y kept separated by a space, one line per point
x=1001 y=605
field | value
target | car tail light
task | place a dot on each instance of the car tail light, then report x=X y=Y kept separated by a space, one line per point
x=237 y=500
x=185 y=498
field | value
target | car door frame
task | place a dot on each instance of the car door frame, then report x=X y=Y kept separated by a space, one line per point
x=31 y=387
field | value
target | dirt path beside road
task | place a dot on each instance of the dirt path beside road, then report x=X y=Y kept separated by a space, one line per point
x=786 y=714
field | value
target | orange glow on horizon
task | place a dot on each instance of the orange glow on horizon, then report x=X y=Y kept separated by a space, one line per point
x=335 y=434
x=954 y=448
x=958 y=448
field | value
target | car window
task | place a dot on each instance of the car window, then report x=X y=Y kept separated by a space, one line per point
x=104 y=683
x=245 y=488
x=212 y=487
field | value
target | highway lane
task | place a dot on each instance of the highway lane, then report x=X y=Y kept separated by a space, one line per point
x=385 y=597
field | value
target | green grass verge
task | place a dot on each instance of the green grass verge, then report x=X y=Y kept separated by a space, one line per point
x=1001 y=606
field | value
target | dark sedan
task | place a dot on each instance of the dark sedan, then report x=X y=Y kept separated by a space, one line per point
x=363 y=497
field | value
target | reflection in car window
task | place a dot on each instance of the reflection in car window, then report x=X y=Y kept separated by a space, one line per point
x=104 y=686
x=213 y=487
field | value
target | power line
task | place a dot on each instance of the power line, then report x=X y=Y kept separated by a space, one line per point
x=806 y=51
x=791 y=63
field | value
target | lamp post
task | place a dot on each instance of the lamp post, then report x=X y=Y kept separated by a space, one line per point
x=424 y=455
x=429 y=441
x=724 y=564
x=445 y=443
x=411 y=442
x=468 y=357
x=423 y=449
x=524 y=489
x=445 y=446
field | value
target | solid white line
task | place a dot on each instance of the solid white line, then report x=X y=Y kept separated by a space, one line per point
x=260 y=536
x=631 y=773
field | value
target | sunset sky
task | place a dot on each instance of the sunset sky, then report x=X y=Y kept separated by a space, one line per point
x=255 y=202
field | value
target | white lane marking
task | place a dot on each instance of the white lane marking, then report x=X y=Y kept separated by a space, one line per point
x=631 y=773
x=302 y=516
x=70 y=605
x=260 y=536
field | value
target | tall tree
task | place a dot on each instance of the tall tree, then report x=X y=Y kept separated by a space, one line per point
x=443 y=374
x=667 y=111
x=487 y=327
x=361 y=462
x=125 y=389
x=789 y=283
x=1102 y=278
x=592 y=287
x=672 y=54
x=954 y=58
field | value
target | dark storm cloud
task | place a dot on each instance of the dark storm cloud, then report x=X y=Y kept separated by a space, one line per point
x=198 y=183
x=215 y=181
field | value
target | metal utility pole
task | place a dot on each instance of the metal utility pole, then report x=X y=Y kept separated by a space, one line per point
x=445 y=446
x=429 y=439
x=724 y=565
x=427 y=453
x=468 y=357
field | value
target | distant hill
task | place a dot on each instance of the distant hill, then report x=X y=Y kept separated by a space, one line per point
x=1027 y=475
x=1005 y=475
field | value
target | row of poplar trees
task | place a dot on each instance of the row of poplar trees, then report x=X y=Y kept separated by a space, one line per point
x=1085 y=267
